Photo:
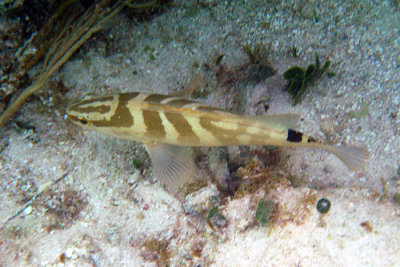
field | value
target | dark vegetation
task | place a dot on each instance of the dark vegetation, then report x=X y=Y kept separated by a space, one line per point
x=301 y=79
x=46 y=34
x=264 y=212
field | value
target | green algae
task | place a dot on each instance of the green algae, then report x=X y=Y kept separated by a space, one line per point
x=264 y=212
x=301 y=79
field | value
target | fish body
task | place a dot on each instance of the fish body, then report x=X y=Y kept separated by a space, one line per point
x=166 y=123
x=182 y=122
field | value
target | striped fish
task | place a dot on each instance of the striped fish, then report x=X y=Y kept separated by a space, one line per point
x=167 y=125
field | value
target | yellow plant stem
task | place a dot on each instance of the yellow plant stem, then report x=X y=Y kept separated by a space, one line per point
x=64 y=46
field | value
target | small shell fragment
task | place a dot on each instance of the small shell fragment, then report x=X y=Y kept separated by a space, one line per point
x=28 y=210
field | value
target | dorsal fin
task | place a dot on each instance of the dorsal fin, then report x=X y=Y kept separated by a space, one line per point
x=277 y=121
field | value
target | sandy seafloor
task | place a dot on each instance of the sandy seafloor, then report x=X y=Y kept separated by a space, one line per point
x=106 y=212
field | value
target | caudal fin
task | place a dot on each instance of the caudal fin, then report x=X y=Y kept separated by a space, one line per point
x=354 y=157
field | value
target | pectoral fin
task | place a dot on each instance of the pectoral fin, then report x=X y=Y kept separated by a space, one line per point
x=173 y=165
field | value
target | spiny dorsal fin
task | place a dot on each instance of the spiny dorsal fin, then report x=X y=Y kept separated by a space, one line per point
x=173 y=165
x=277 y=121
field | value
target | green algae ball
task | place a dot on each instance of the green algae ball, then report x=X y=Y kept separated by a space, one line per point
x=323 y=205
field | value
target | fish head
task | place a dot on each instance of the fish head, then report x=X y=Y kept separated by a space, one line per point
x=92 y=111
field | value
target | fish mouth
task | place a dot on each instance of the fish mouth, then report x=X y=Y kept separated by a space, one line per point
x=80 y=121
x=70 y=111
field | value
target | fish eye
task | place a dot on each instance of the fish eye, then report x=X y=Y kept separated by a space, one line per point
x=83 y=121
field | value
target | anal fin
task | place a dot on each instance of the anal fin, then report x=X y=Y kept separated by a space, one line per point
x=173 y=165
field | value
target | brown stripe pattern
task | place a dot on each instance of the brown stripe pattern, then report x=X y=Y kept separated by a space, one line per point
x=122 y=116
x=84 y=107
x=184 y=129
x=225 y=136
x=92 y=100
x=154 y=126
x=162 y=118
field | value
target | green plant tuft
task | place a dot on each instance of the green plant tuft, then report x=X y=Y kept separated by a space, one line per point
x=257 y=54
x=301 y=79
x=265 y=209
x=136 y=163
x=219 y=59
x=294 y=51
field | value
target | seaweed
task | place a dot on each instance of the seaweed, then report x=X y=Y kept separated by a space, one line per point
x=300 y=79
x=258 y=54
x=254 y=176
x=136 y=163
x=147 y=49
x=70 y=26
x=265 y=210
x=65 y=32
x=294 y=51
x=219 y=59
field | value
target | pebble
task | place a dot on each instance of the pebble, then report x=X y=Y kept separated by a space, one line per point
x=28 y=210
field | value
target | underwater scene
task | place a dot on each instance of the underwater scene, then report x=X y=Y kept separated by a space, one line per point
x=199 y=133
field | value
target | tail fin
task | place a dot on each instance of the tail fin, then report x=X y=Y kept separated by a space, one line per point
x=354 y=157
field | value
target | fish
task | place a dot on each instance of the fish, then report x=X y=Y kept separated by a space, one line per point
x=168 y=124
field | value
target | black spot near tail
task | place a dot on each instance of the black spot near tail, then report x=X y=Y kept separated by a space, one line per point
x=294 y=136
